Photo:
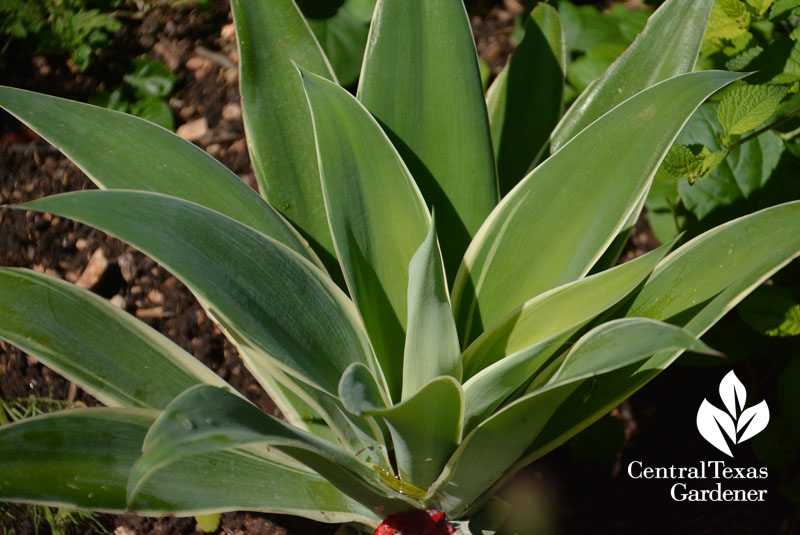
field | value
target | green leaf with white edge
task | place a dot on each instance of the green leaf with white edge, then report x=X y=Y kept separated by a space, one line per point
x=271 y=36
x=81 y=459
x=621 y=342
x=420 y=79
x=377 y=216
x=91 y=137
x=431 y=348
x=558 y=311
x=692 y=288
x=668 y=46
x=257 y=289
x=745 y=106
x=359 y=391
x=526 y=99
x=493 y=450
x=206 y=419
x=526 y=347
x=110 y=354
x=596 y=181
x=425 y=428
x=490 y=387
x=773 y=311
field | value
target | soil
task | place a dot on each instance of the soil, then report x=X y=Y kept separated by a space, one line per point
x=199 y=47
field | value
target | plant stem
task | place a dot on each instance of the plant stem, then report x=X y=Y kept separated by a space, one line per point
x=765 y=129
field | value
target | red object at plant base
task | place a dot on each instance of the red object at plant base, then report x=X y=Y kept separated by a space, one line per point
x=430 y=522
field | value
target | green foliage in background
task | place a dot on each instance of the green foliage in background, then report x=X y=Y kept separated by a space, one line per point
x=144 y=93
x=77 y=28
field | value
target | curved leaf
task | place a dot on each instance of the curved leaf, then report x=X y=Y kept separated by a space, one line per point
x=431 y=348
x=668 y=46
x=420 y=79
x=207 y=419
x=96 y=139
x=425 y=428
x=621 y=342
x=489 y=452
x=271 y=36
x=377 y=216
x=81 y=458
x=110 y=354
x=526 y=99
x=692 y=288
x=576 y=201
x=558 y=311
x=260 y=292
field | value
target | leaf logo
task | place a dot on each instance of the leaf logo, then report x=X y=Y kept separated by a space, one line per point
x=737 y=424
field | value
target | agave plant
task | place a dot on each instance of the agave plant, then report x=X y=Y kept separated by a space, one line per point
x=418 y=366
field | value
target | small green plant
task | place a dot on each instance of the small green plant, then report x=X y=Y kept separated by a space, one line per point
x=419 y=364
x=143 y=93
x=71 y=27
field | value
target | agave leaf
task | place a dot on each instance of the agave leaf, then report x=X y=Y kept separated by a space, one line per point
x=490 y=387
x=420 y=79
x=495 y=450
x=81 y=459
x=377 y=216
x=624 y=341
x=271 y=37
x=558 y=311
x=526 y=99
x=425 y=428
x=116 y=358
x=668 y=46
x=260 y=292
x=95 y=139
x=431 y=348
x=577 y=200
x=207 y=419
x=692 y=288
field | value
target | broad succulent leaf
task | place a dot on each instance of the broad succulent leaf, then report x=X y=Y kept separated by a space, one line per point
x=425 y=428
x=431 y=345
x=668 y=46
x=558 y=311
x=596 y=181
x=600 y=351
x=490 y=451
x=97 y=140
x=207 y=419
x=376 y=214
x=727 y=263
x=420 y=80
x=318 y=412
x=116 y=358
x=81 y=458
x=262 y=293
x=272 y=37
x=525 y=101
